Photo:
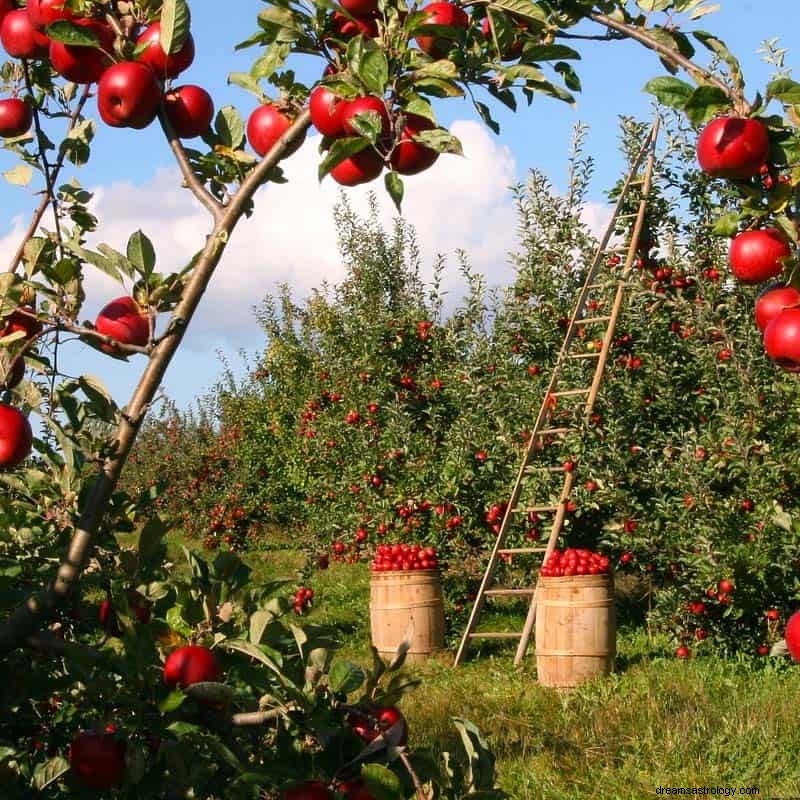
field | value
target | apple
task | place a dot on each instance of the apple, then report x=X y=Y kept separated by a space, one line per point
x=16 y=437
x=346 y=27
x=360 y=8
x=125 y=321
x=19 y=37
x=16 y=118
x=97 y=759
x=326 y=111
x=362 y=105
x=782 y=339
x=310 y=790
x=683 y=652
x=18 y=321
x=14 y=373
x=772 y=614
x=733 y=147
x=441 y=13
x=165 y=66
x=191 y=664
x=190 y=110
x=378 y=720
x=266 y=125
x=355 y=790
x=128 y=95
x=410 y=157
x=5 y=7
x=792 y=636
x=84 y=64
x=45 y=12
x=725 y=586
x=362 y=167
x=774 y=299
x=755 y=256
x=514 y=50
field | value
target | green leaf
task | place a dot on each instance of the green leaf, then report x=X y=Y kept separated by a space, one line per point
x=141 y=254
x=727 y=225
x=260 y=620
x=254 y=651
x=395 y=188
x=345 y=677
x=229 y=127
x=72 y=34
x=785 y=90
x=440 y=140
x=381 y=782
x=174 y=25
x=48 y=773
x=720 y=49
x=704 y=103
x=374 y=71
x=524 y=9
x=150 y=538
x=340 y=150
x=173 y=701
x=669 y=91
x=246 y=82
x=99 y=397
x=480 y=773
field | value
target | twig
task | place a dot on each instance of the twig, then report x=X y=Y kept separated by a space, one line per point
x=650 y=42
x=39 y=213
x=26 y=618
x=214 y=207
x=256 y=717
x=414 y=777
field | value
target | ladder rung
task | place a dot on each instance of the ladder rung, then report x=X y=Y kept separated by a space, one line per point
x=531 y=469
x=553 y=431
x=585 y=355
x=505 y=592
x=570 y=393
x=495 y=636
x=627 y=216
x=623 y=248
x=522 y=550
x=590 y=320
x=534 y=510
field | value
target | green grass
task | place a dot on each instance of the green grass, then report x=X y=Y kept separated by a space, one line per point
x=656 y=722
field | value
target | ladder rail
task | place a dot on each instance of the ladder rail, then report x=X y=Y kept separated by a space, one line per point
x=547 y=406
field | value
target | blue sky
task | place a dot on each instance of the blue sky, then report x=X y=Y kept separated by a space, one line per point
x=133 y=168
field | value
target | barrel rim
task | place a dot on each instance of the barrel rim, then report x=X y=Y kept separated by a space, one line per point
x=580 y=580
x=404 y=572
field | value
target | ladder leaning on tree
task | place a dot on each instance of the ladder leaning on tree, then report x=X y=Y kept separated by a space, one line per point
x=543 y=428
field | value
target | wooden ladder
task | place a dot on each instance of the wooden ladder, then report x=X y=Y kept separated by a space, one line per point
x=544 y=427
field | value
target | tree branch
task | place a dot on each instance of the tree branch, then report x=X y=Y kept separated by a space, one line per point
x=193 y=183
x=256 y=717
x=414 y=777
x=697 y=72
x=39 y=213
x=28 y=617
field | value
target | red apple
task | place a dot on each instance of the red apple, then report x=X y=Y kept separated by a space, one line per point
x=782 y=339
x=84 y=64
x=310 y=790
x=16 y=437
x=5 y=7
x=733 y=147
x=346 y=27
x=792 y=636
x=441 y=14
x=410 y=157
x=191 y=664
x=45 y=12
x=725 y=586
x=355 y=790
x=683 y=652
x=190 y=110
x=362 y=105
x=165 y=66
x=16 y=118
x=359 y=8
x=128 y=95
x=755 y=256
x=772 y=301
x=371 y=724
x=97 y=759
x=326 y=111
x=266 y=125
x=18 y=321
x=19 y=37
x=125 y=321
x=362 y=167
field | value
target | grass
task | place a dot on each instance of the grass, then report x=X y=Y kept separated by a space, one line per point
x=656 y=722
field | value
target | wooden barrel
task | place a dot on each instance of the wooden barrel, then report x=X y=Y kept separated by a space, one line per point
x=398 y=598
x=576 y=629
